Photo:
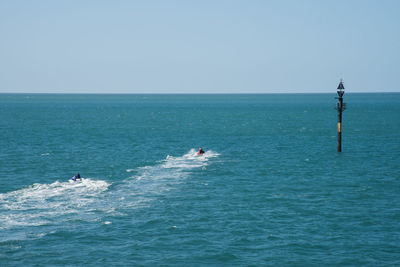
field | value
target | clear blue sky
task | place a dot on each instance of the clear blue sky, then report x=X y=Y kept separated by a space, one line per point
x=216 y=46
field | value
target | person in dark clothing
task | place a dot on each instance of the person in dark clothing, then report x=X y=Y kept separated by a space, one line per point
x=77 y=176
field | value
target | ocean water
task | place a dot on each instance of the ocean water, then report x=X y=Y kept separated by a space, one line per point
x=271 y=190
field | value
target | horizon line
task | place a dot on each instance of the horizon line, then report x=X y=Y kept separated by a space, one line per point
x=194 y=93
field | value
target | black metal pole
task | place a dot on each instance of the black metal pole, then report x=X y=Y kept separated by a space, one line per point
x=340 y=108
x=339 y=128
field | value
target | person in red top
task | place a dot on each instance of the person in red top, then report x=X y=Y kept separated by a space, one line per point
x=201 y=151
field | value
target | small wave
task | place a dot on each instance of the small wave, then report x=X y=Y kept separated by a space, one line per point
x=150 y=181
x=39 y=204
x=174 y=167
x=53 y=204
x=189 y=160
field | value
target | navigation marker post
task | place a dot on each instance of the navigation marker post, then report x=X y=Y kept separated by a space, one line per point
x=340 y=108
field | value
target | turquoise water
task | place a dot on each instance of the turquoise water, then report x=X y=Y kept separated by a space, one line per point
x=270 y=190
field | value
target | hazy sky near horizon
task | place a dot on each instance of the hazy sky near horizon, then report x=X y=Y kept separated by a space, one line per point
x=219 y=46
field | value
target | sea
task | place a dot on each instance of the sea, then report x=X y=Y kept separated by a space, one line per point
x=270 y=190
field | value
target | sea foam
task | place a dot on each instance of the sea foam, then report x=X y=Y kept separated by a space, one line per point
x=91 y=200
x=39 y=204
x=153 y=180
